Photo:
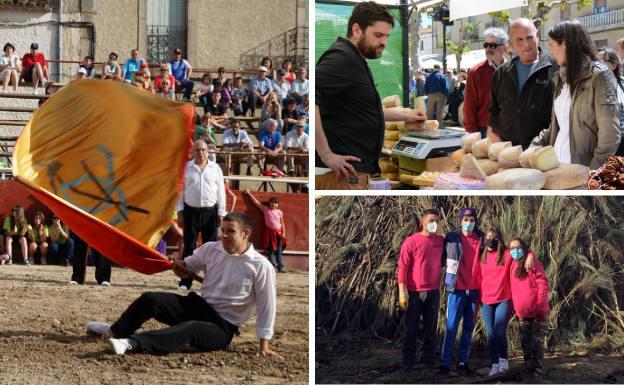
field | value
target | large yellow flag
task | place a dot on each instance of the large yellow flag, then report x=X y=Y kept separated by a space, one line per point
x=108 y=151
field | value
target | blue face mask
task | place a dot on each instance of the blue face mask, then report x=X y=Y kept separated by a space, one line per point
x=517 y=254
x=468 y=226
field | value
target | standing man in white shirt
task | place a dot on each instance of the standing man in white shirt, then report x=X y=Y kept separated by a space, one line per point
x=202 y=202
x=237 y=279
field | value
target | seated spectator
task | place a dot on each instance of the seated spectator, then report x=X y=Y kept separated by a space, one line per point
x=268 y=63
x=303 y=117
x=304 y=107
x=181 y=70
x=15 y=230
x=205 y=89
x=215 y=108
x=287 y=66
x=281 y=86
x=111 y=70
x=257 y=90
x=81 y=74
x=87 y=64
x=270 y=143
x=226 y=94
x=61 y=246
x=205 y=130
x=301 y=86
x=9 y=67
x=37 y=237
x=131 y=66
x=164 y=83
x=236 y=140
x=289 y=114
x=239 y=97
x=220 y=77
x=297 y=143
x=272 y=109
x=142 y=79
x=35 y=67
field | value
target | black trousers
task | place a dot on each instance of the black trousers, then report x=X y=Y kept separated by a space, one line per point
x=425 y=304
x=192 y=321
x=197 y=220
x=79 y=263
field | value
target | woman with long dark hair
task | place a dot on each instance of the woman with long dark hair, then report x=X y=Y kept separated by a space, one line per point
x=15 y=229
x=38 y=237
x=268 y=63
x=585 y=124
x=610 y=58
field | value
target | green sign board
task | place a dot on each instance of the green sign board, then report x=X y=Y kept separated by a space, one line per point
x=331 y=22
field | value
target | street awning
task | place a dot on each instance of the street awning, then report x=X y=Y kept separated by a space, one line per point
x=461 y=8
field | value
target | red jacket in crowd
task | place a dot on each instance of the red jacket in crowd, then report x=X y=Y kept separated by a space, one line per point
x=477 y=96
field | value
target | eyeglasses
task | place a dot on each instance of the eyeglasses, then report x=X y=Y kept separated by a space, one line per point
x=55 y=218
x=491 y=45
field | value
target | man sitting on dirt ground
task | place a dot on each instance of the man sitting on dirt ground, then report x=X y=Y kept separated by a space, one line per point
x=236 y=279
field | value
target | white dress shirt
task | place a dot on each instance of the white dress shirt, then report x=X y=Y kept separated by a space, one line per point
x=241 y=137
x=203 y=188
x=562 y=106
x=235 y=284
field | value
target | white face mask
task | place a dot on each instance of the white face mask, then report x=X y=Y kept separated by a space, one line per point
x=432 y=227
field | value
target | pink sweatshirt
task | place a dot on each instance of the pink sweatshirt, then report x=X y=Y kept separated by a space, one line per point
x=467 y=275
x=420 y=262
x=529 y=294
x=494 y=279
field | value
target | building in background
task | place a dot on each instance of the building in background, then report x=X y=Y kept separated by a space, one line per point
x=235 y=34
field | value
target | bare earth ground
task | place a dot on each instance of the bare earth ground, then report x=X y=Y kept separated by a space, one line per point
x=377 y=361
x=43 y=340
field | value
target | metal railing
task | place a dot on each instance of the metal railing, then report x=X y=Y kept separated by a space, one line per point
x=602 y=21
x=292 y=44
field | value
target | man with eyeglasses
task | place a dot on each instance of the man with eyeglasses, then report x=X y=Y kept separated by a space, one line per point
x=477 y=97
x=202 y=202
x=522 y=89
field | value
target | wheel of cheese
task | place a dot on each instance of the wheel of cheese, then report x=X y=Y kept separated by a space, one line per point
x=566 y=176
x=386 y=165
x=457 y=157
x=516 y=179
x=391 y=101
x=390 y=175
x=544 y=159
x=525 y=157
x=392 y=135
x=488 y=166
x=510 y=157
x=481 y=148
x=391 y=126
x=470 y=168
x=389 y=143
x=468 y=140
x=496 y=148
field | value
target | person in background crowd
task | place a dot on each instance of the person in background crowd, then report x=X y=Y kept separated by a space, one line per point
x=81 y=74
x=226 y=94
x=205 y=89
x=436 y=88
x=37 y=237
x=164 y=83
x=609 y=58
x=10 y=67
x=268 y=63
x=220 y=79
x=131 y=66
x=216 y=108
x=289 y=74
x=619 y=49
x=111 y=70
x=79 y=264
x=274 y=237
x=205 y=130
x=237 y=140
x=87 y=64
x=529 y=295
x=479 y=82
x=297 y=143
x=418 y=275
x=181 y=70
x=61 y=245
x=239 y=97
x=281 y=86
x=272 y=109
x=258 y=89
x=585 y=125
x=301 y=86
x=15 y=231
x=35 y=67
x=270 y=143
x=522 y=89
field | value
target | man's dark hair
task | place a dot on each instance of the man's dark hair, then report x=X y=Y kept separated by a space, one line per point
x=239 y=217
x=430 y=211
x=113 y=54
x=88 y=57
x=368 y=13
x=8 y=45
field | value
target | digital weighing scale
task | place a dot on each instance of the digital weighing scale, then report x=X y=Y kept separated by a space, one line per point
x=417 y=147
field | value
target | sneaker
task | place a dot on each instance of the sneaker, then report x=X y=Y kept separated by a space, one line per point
x=183 y=287
x=495 y=370
x=26 y=262
x=73 y=282
x=105 y=283
x=98 y=329
x=444 y=370
x=464 y=369
x=503 y=365
x=10 y=262
x=120 y=345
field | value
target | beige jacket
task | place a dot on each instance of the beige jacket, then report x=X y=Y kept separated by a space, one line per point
x=594 y=118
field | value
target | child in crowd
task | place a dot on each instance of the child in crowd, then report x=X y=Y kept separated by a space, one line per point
x=37 y=236
x=529 y=294
x=15 y=230
x=274 y=237
x=226 y=94
x=205 y=89
x=239 y=97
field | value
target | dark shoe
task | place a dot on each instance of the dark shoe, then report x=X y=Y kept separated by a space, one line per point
x=249 y=172
x=464 y=369
x=444 y=370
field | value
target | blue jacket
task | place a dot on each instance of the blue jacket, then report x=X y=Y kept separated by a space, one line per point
x=453 y=253
x=436 y=82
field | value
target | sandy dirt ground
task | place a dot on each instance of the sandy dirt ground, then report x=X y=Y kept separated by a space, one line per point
x=43 y=340
x=377 y=361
